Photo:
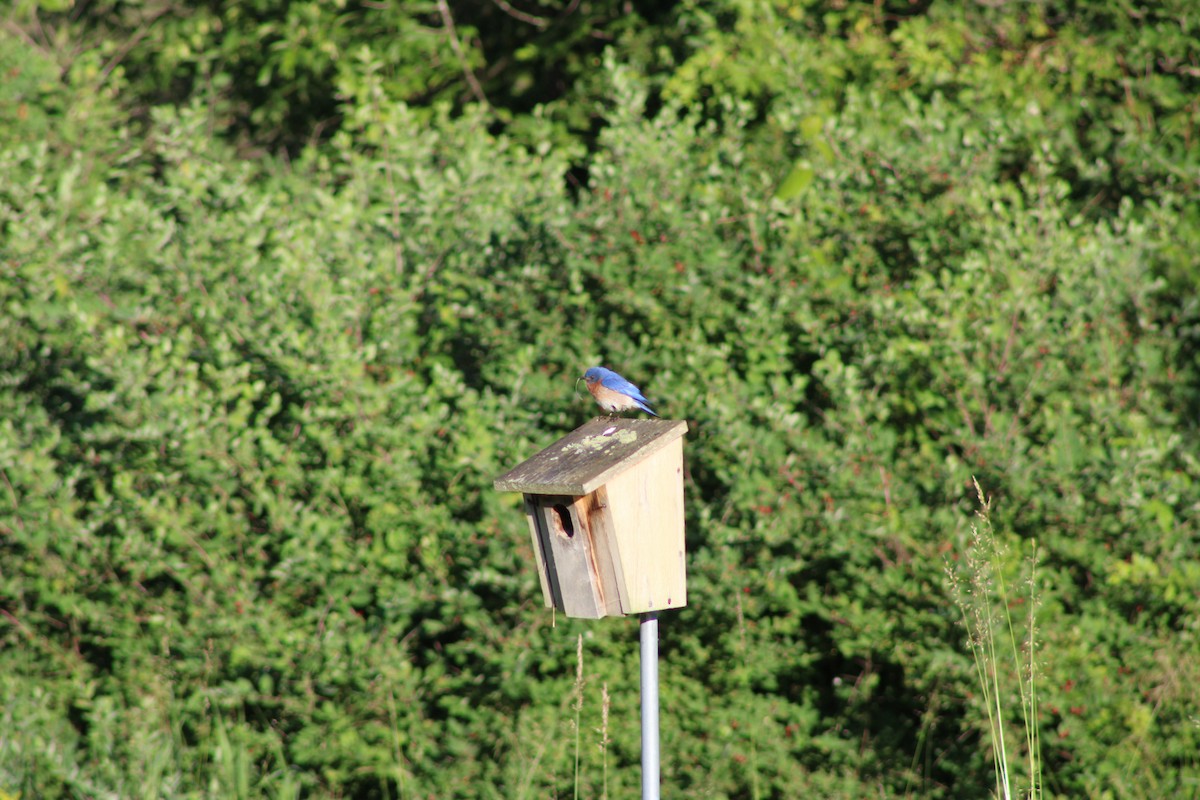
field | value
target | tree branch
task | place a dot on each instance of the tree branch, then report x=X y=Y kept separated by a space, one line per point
x=472 y=81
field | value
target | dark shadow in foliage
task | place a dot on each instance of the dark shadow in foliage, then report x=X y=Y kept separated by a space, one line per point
x=55 y=379
x=283 y=92
x=1186 y=367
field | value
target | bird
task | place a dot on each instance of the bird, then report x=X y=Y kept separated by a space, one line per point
x=613 y=393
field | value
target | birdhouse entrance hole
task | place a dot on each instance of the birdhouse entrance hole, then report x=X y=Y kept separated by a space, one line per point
x=564 y=527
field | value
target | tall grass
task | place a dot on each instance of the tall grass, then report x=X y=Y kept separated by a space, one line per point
x=604 y=740
x=1003 y=655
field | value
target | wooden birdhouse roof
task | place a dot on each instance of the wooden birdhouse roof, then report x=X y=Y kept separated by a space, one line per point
x=590 y=456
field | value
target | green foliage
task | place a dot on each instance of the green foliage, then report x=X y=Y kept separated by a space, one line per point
x=274 y=72
x=250 y=409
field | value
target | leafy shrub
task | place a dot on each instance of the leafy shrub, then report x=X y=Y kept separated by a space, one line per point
x=250 y=411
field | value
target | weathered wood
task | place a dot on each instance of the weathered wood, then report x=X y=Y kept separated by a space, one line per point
x=594 y=519
x=569 y=562
x=540 y=548
x=576 y=574
x=586 y=458
x=605 y=509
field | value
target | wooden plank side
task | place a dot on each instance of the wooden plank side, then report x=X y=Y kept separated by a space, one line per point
x=646 y=506
x=589 y=456
x=571 y=570
x=541 y=550
x=594 y=508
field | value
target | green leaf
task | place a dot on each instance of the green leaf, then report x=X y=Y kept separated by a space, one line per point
x=797 y=181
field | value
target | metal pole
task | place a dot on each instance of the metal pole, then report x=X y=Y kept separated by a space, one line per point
x=649 y=631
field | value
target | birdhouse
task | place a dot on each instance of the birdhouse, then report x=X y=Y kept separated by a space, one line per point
x=605 y=509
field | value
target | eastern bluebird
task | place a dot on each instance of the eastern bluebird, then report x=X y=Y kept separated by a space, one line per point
x=614 y=393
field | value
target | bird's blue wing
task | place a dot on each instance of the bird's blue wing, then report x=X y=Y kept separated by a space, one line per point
x=617 y=383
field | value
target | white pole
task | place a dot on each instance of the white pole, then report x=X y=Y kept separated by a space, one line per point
x=649 y=632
